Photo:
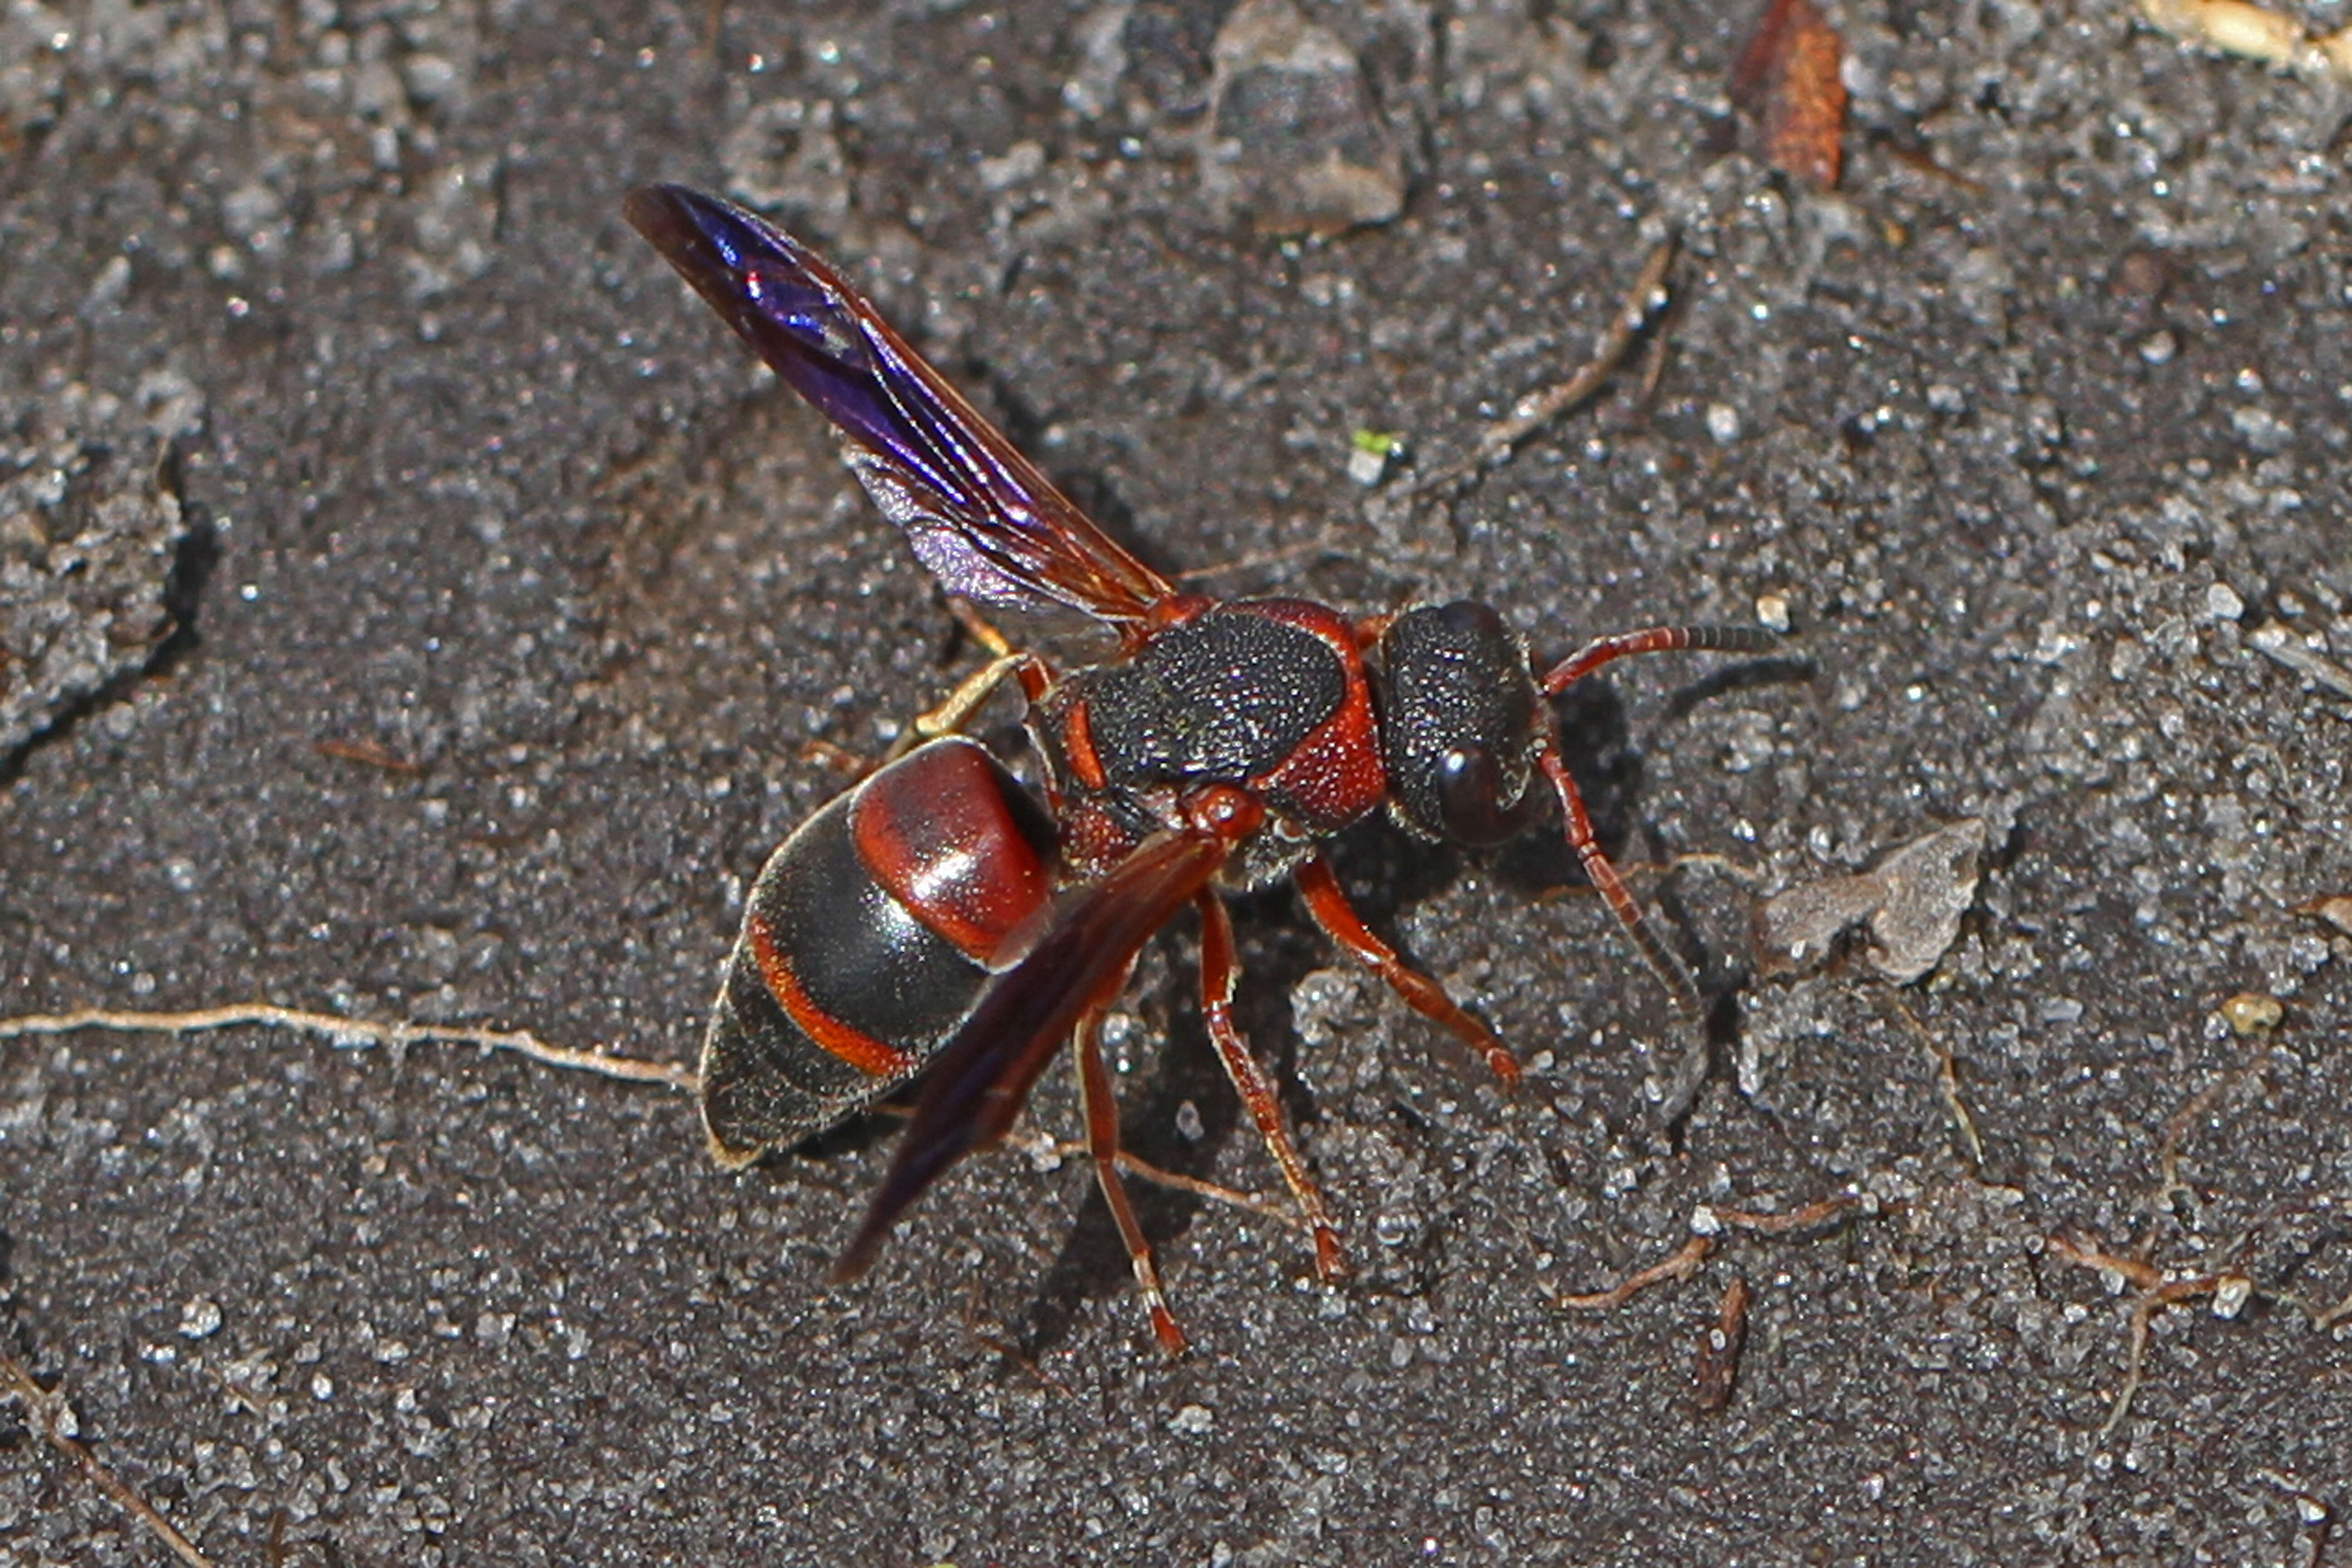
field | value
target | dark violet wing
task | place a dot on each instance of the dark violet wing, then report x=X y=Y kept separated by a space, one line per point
x=988 y=525
x=974 y=1088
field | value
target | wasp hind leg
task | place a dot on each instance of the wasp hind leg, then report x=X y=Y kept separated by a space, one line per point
x=1005 y=662
x=1219 y=967
x=1102 y=1143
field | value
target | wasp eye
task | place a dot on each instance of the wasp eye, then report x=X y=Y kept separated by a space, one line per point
x=1469 y=794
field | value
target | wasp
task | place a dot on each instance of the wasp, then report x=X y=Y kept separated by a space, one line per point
x=941 y=921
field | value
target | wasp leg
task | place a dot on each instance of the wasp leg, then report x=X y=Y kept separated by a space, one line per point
x=1329 y=906
x=1102 y=1143
x=976 y=1083
x=1671 y=971
x=1005 y=661
x=1219 y=966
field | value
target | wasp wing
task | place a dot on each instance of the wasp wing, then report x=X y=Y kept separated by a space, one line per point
x=975 y=1086
x=980 y=516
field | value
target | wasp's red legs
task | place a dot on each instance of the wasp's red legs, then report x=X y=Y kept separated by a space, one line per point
x=976 y=1084
x=948 y=717
x=1219 y=966
x=1101 y=1107
x=1329 y=906
x=1672 y=973
x=1005 y=662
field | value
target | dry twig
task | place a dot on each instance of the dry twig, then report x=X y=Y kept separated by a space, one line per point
x=1537 y=409
x=46 y=1413
x=355 y=1031
x=1680 y=1265
x=2157 y=1291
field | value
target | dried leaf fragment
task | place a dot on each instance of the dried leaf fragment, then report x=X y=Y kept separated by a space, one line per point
x=1911 y=901
x=1791 y=77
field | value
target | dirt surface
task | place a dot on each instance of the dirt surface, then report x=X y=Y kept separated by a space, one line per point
x=507 y=616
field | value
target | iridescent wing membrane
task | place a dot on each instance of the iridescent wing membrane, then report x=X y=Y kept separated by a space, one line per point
x=988 y=525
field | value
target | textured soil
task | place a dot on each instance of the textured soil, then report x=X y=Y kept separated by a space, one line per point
x=460 y=617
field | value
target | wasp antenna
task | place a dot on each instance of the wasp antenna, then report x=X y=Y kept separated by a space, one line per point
x=1656 y=639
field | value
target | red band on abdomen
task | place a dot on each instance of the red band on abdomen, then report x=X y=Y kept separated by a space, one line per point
x=876 y=1059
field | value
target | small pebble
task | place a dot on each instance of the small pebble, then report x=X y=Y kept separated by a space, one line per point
x=2250 y=1013
x=200 y=1319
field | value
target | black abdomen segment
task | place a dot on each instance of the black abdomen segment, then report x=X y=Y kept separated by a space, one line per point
x=866 y=940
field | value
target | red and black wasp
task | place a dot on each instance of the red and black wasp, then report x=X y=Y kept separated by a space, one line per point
x=940 y=919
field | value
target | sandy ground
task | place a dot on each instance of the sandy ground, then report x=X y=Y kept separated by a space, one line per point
x=439 y=618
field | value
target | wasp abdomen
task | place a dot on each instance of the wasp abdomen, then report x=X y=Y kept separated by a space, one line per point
x=867 y=941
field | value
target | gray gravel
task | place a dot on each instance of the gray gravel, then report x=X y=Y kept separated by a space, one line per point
x=523 y=613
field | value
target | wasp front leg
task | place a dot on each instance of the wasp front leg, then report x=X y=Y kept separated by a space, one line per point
x=1005 y=662
x=1329 y=906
